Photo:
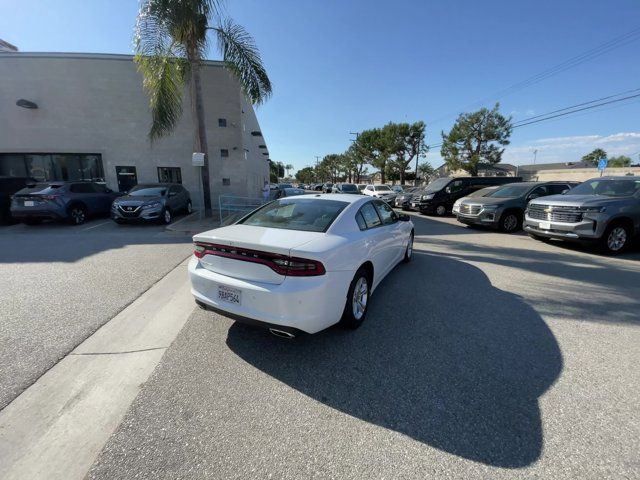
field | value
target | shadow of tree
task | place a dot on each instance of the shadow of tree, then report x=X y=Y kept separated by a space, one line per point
x=447 y=359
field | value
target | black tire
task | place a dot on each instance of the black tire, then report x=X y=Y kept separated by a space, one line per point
x=32 y=221
x=440 y=210
x=77 y=214
x=408 y=253
x=616 y=239
x=189 y=208
x=118 y=221
x=166 y=217
x=510 y=221
x=351 y=319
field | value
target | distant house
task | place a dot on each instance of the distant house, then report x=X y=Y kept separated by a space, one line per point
x=529 y=170
x=484 y=170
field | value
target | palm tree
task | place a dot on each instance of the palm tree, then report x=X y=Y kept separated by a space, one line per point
x=171 y=40
x=288 y=167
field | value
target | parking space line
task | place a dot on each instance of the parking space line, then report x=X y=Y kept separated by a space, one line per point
x=96 y=226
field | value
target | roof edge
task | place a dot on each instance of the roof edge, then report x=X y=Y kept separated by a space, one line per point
x=86 y=56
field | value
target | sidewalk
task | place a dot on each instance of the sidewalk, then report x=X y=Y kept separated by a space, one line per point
x=192 y=224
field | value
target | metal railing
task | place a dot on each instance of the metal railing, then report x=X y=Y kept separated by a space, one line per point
x=233 y=207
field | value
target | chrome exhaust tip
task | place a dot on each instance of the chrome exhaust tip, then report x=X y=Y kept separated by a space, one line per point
x=281 y=333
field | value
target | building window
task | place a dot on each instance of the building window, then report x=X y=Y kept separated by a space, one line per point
x=222 y=122
x=169 y=175
x=47 y=167
x=226 y=182
x=224 y=152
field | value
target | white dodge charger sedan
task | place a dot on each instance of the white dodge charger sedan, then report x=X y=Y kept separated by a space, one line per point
x=300 y=264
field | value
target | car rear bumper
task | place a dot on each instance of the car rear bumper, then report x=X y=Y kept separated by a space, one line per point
x=24 y=213
x=309 y=304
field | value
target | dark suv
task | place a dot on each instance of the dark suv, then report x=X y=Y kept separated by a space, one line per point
x=504 y=208
x=440 y=195
x=151 y=202
x=9 y=186
x=71 y=201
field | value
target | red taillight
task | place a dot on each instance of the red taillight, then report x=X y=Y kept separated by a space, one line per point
x=50 y=197
x=281 y=264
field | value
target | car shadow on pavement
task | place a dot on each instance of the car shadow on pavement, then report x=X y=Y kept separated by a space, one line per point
x=454 y=363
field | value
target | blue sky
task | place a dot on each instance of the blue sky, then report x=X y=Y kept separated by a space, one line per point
x=343 y=66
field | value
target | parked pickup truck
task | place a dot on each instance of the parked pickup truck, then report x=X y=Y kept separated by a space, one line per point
x=604 y=210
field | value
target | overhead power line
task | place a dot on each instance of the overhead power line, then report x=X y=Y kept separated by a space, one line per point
x=572 y=62
x=579 y=107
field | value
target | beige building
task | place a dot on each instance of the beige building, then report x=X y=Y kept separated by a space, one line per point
x=68 y=116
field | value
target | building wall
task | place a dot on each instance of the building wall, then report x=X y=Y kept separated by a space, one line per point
x=576 y=174
x=89 y=103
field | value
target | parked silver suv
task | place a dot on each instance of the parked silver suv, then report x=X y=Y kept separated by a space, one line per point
x=604 y=210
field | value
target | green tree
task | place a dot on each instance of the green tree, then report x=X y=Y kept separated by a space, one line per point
x=305 y=175
x=374 y=145
x=276 y=171
x=593 y=157
x=332 y=167
x=425 y=170
x=405 y=142
x=619 y=161
x=288 y=167
x=171 y=39
x=358 y=161
x=476 y=139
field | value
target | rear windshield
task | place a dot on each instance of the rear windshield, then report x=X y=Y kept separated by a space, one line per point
x=145 y=191
x=42 y=188
x=510 y=191
x=382 y=188
x=313 y=215
x=607 y=188
x=349 y=187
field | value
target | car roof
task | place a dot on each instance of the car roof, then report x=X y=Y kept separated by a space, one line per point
x=341 y=197
x=616 y=177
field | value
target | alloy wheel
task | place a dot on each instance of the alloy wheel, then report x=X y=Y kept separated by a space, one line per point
x=167 y=216
x=510 y=222
x=78 y=215
x=617 y=239
x=360 y=297
x=441 y=210
x=189 y=207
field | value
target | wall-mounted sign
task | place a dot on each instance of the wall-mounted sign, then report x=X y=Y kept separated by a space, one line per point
x=197 y=159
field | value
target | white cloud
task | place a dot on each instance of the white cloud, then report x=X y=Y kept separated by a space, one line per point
x=571 y=149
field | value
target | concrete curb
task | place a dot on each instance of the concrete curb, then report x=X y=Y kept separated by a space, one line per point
x=192 y=224
x=57 y=427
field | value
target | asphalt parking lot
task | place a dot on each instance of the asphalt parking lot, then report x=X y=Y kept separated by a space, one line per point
x=488 y=356
x=59 y=283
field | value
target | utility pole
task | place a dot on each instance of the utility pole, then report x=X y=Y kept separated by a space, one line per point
x=415 y=181
x=355 y=174
x=317 y=163
x=535 y=155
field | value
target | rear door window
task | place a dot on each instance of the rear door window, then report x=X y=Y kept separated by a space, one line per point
x=386 y=213
x=81 y=188
x=370 y=215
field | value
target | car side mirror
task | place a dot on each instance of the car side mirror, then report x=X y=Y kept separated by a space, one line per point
x=447 y=190
x=564 y=192
x=403 y=217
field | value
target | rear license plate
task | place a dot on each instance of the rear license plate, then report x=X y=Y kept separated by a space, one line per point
x=229 y=295
x=29 y=203
x=544 y=225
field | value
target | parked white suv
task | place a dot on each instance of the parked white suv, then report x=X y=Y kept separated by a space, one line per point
x=383 y=192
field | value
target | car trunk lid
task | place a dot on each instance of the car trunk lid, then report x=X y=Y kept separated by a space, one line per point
x=248 y=252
